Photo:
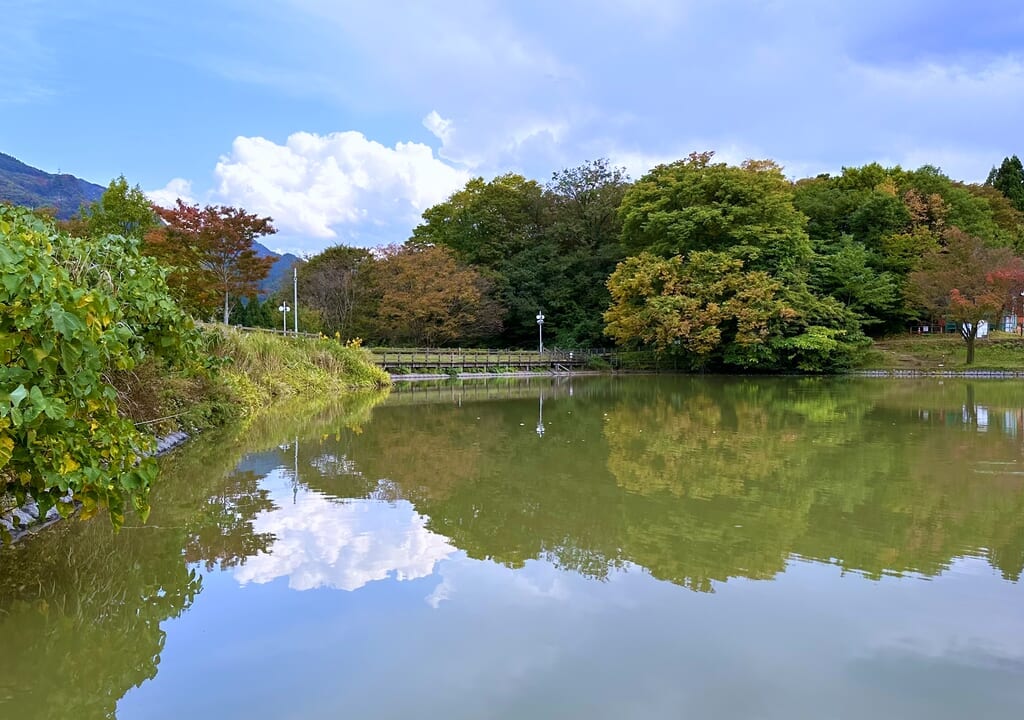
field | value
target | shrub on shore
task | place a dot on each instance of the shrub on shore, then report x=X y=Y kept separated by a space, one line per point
x=76 y=316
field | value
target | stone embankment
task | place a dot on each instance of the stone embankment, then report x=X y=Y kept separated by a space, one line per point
x=902 y=373
x=27 y=519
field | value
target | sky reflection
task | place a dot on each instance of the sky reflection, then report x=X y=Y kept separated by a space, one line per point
x=325 y=542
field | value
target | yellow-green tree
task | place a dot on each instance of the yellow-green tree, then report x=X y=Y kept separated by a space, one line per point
x=700 y=306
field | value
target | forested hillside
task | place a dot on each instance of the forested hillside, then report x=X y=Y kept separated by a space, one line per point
x=21 y=184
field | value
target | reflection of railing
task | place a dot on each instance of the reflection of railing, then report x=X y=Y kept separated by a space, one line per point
x=478 y=391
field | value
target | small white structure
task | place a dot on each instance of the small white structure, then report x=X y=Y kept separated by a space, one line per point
x=982 y=328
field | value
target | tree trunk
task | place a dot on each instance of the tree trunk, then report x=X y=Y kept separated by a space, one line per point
x=970 y=335
x=227 y=308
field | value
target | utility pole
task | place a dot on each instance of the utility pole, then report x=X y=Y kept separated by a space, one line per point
x=295 y=297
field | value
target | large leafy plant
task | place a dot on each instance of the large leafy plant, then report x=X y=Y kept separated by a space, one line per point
x=73 y=311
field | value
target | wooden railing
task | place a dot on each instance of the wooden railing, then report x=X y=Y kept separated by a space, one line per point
x=482 y=359
x=273 y=331
x=466 y=359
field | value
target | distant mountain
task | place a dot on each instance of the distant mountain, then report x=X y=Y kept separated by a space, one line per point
x=280 y=271
x=22 y=184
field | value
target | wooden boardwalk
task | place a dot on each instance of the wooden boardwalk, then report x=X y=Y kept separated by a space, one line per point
x=448 y=360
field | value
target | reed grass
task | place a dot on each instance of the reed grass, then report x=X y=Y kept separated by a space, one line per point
x=261 y=367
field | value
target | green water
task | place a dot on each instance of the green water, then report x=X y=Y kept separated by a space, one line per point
x=600 y=548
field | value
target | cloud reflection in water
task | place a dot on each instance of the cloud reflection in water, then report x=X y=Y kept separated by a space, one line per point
x=323 y=542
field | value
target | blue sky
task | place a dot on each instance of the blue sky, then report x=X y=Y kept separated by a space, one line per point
x=344 y=120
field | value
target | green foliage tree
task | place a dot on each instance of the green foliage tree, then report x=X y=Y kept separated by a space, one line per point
x=254 y=312
x=695 y=204
x=847 y=275
x=972 y=212
x=696 y=306
x=549 y=248
x=584 y=225
x=1008 y=179
x=486 y=223
x=896 y=217
x=73 y=311
x=497 y=227
x=862 y=203
x=121 y=210
x=746 y=214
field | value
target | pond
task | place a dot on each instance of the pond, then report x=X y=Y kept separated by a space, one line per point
x=642 y=547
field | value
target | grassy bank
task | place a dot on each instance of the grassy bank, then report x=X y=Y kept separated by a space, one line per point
x=238 y=376
x=250 y=371
x=262 y=367
x=998 y=351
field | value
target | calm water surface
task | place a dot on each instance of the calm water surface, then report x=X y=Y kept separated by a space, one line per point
x=600 y=548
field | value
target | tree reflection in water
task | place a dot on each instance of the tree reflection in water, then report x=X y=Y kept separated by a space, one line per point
x=692 y=480
x=82 y=608
x=701 y=479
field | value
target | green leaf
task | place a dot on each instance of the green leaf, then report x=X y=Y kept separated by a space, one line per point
x=19 y=394
x=66 y=323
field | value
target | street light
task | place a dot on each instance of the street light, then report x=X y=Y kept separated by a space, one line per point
x=540 y=329
x=283 y=308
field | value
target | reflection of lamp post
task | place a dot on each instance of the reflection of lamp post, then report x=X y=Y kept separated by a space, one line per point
x=283 y=308
x=295 y=476
x=540 y=418
x=540 y=329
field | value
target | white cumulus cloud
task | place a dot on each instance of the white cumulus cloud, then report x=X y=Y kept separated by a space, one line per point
x=168 y=195
x=442 y=128
x=313 y=184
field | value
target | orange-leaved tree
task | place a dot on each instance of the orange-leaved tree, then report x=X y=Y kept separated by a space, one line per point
x=427 y=297
x=966 y=282
x=212 y=254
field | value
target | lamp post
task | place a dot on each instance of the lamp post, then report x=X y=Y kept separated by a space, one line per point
x=295 y=289
x=540 y=330
x=283 y=308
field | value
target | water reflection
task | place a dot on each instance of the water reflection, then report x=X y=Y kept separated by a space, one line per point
x=83 y=610
x=320 y=541
x=545 y=529
x=699 y=480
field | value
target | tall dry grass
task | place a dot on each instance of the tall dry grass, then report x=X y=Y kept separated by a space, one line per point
x=261 y=367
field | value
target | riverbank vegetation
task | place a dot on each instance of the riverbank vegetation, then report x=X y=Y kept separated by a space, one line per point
x=266 y=366
x=100 y=355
